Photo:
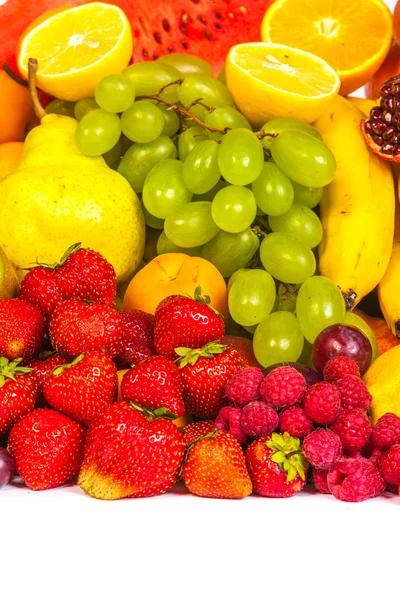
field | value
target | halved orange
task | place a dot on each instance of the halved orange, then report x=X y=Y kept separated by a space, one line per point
x=77 y=47
x=353 y=36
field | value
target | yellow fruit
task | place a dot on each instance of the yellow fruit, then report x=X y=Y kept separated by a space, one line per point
x=10 y=154
x=363 y=104
x=8 y=277
x=389 y=286
x=383 y=382
x=271 y=81
x=77 y=47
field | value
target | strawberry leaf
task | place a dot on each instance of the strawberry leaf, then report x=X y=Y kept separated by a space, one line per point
x=10 y=369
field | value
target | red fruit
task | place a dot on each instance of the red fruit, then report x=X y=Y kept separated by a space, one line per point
x=39 y=287
x=156 y=383
x=43 y=368
x=244 y=386
x=339 y=366
x=84 y=388
x=390 y=465
x=197 y=429
x=19 y=392
x=21 y=329
x=245 y=348
x=355 y=480
x=130 y=454
x=295 y=421
x=205 y=373
x=215 y=467
x=353 y=428
x=389 y=68
x=137 y=337
x=276 y=465
x=386 y=431
x=7 y=467
x=353 y=392
x=47 y=448
x=282 y=387
x=320 y=480
x=321 y=403
x=77 y=327
x=344 y=340
x=322 y=448
x=259 y=418
x=228 y=421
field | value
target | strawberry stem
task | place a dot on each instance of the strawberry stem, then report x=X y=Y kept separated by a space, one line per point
x=189 y=356
x=152 y=415
x=11 y=369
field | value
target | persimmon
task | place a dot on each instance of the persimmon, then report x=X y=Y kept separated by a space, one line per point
x=15 y=109
x=10 y=153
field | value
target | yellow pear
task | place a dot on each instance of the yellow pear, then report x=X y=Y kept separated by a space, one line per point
x=383 y=382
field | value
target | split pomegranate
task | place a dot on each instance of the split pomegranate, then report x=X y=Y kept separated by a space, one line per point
x=382 y=130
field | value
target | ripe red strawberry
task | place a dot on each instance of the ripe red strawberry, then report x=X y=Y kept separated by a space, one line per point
x=43 y=368
x=276 y=465
x=156 y=383
x=181 y=321
x=47 y=448
x=77 y=327
x=197 y=429
x=19 y=392
x=84 y=388
x=205 y=373
x=130 y=454
x=21 y=329
x=137 y=337
x=39 y=287
x=245 y=348
x=215 y=467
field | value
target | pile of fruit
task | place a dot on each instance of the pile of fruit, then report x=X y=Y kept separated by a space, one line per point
x=207 y=326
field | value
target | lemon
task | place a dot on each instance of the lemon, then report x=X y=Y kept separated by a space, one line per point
x=383 y=382
x=77 y=47
x=270 y=81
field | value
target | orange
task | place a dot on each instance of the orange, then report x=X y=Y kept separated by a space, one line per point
x=10 y=153
x=174 y=273
x=353 y=36
x=15 y=109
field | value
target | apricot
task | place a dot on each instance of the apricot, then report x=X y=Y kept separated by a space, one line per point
x=175 y=273
x=10 y=153
x=385 y=338
x=15 y=109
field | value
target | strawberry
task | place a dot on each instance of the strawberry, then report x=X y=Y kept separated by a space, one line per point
x=215 y=467
x=131 y=453
x=77 y=327
x=156 y=383
x=39 y=287
x=137 y=337
x=181 y=321
x=198 y=429
x=43 y=368
x=19 y=392
x=245 y=348
x=276 y=465
x=205 y=373
x=21 y=329
x=47 y=448
x=83 y=388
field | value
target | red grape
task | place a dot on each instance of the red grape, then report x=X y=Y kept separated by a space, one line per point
x=7 y=466
x=342 y=340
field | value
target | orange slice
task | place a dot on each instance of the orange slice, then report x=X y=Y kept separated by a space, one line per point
x=353 y=36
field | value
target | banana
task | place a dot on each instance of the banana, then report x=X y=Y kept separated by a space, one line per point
x=364 y=104
x=389 y=287
x=357 y=208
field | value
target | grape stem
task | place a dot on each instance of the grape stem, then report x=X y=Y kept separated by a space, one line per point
x=32 y=70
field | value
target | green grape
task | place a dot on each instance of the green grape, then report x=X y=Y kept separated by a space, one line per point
x=226 y=116
x=251 y=297
x=273 y=190
x=240 y=157
x=277 y=339
x=139 y=159
x=250 y=328
x=303 y=158
x=222 y=75
x=171 y=120
x=286 y=258
x=231 y=251
x=301 y=222
x=210 y=195
x=61 y=107
x=165 y=246
x=287 y=297
x=213 y=93
x=234 y=277
x=200 y=169
x=164 y=189
x=188 y=140
x=187 y=64
x=305 y=357
x=319 y=304
x=191 y=225
x=84 y=106
x=115 y=93
x=278 y=126
x=113 y=155
x=125 y=144
x=97 y=132
x=309 y=196
x=149 y=77
x=234 y=208
x=143 y=122
x=351 y=318
x=151 y=220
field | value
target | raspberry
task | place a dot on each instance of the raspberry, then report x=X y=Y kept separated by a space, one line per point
x=228 y=421
x=339 y=366
x=390 y=465
x=259 y=418
x=386 y=431
x=198 y=429
x=244 y=386
x=353 y=392
x=354 y=480
x=369 y=452
x=322 y=448
x=353 y=428
x=321 y=403
x=320 y=480
x=283 y=386
x=295 y=422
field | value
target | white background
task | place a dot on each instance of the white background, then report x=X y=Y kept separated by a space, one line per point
x=60 y=544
